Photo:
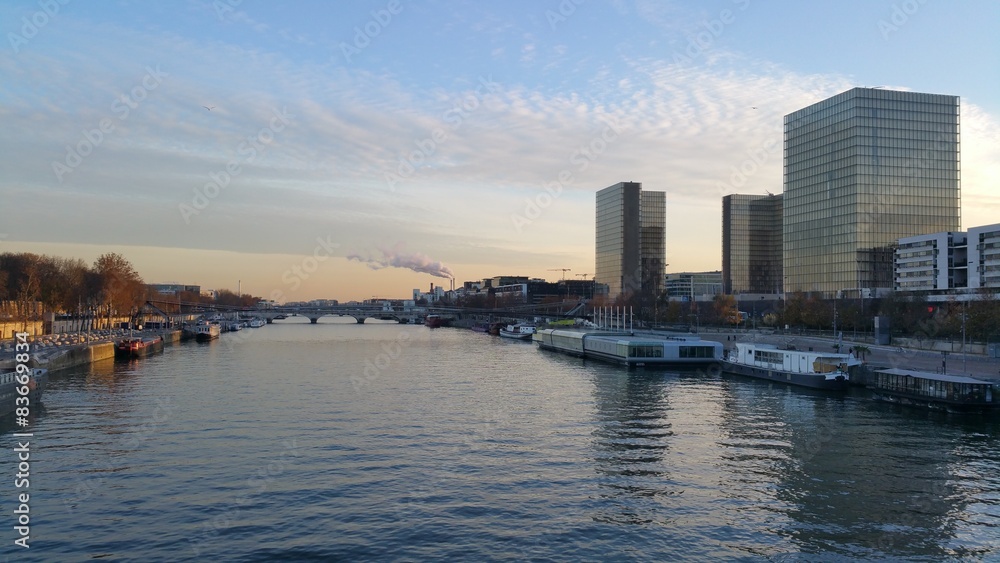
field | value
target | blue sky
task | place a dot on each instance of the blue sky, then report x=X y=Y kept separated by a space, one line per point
x=435 y=137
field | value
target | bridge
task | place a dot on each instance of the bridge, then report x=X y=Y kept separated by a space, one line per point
x=564 y=309
x=358 y=312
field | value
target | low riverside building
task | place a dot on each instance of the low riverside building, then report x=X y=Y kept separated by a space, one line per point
x=984 y=256
x=693 y=286
x=174 y=288
x=933 y=262
x=949 y=262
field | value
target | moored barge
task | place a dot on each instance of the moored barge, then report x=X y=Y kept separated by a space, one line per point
x=138 y=347
x=631 y=350
x=12 y=383
x=935 y=391
x=519 y=331
x=817 y=370
x=202 y=331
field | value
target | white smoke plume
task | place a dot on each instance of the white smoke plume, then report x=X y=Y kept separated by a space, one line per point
x=395 y=258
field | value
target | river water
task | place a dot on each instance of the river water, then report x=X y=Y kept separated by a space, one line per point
x=396 y=442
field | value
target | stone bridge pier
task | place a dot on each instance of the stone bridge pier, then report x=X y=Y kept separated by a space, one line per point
x=359 y=320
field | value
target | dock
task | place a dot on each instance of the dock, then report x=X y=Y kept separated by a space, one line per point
x=62 y=351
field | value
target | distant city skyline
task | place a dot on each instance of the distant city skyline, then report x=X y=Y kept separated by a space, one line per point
x=355 y=150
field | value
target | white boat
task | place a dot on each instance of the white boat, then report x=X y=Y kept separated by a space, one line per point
x=202 y=331
x=11 y=385
x=818 y=370
x=633 y=350
x=518 y=331
x=257 y=323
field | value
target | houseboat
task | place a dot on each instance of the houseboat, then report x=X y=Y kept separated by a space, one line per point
x=817 y=370
x=935 y=391
x=631 y=350
x=11 y=383
x=138 y=347
x=518 y=331
x=202 y=332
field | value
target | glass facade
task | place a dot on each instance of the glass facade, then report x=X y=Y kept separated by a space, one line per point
x=630 y=238
x=752 y=243
x=652 y=239
x=861 y=170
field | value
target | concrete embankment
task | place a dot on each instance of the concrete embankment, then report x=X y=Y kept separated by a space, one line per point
x=77 y=356
x=54 y=355
x=171 y=336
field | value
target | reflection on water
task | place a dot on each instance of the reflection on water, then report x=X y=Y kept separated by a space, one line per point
x=414 y=444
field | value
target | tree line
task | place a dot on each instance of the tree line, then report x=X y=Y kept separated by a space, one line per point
x=108 y=288
x=908 y=315
x=111 y=285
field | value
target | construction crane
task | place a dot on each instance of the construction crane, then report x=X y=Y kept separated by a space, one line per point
x=582 y=275
x=563 y=270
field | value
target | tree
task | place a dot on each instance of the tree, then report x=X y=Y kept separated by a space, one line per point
x=725 y=309
x=983 y=320
x=674 y=312
x=63 y=283
x=817 y=313
x=862 y=351
x=794 y=308
x=121 y=288
x=23 y=277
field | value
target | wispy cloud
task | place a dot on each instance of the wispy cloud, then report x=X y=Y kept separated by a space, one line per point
x=685 y=127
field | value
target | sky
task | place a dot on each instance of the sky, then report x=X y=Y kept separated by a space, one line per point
x=349 y=150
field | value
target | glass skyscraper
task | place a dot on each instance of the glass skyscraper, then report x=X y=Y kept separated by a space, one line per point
x=631 y=239
x=751 y=243
x=861 y=170
x=652 y=239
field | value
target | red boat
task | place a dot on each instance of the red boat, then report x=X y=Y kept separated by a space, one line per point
x=138 y=347
x=435 y=321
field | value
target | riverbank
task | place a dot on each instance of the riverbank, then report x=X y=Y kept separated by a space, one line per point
x=61 y=351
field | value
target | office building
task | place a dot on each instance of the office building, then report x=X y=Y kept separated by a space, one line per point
x=652 y=239
x=693 y=286
x=863 y=169
x=751 y=243
x=630 y=239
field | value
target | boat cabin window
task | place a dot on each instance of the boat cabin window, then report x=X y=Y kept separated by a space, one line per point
x=934 y=388
x=769 y=357
x=645 y=351
x=696 y=351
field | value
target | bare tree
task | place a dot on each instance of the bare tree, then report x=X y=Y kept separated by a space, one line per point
x=23 y=284
x=121 y=288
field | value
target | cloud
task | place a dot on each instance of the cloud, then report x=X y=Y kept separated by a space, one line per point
x=683 y=128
